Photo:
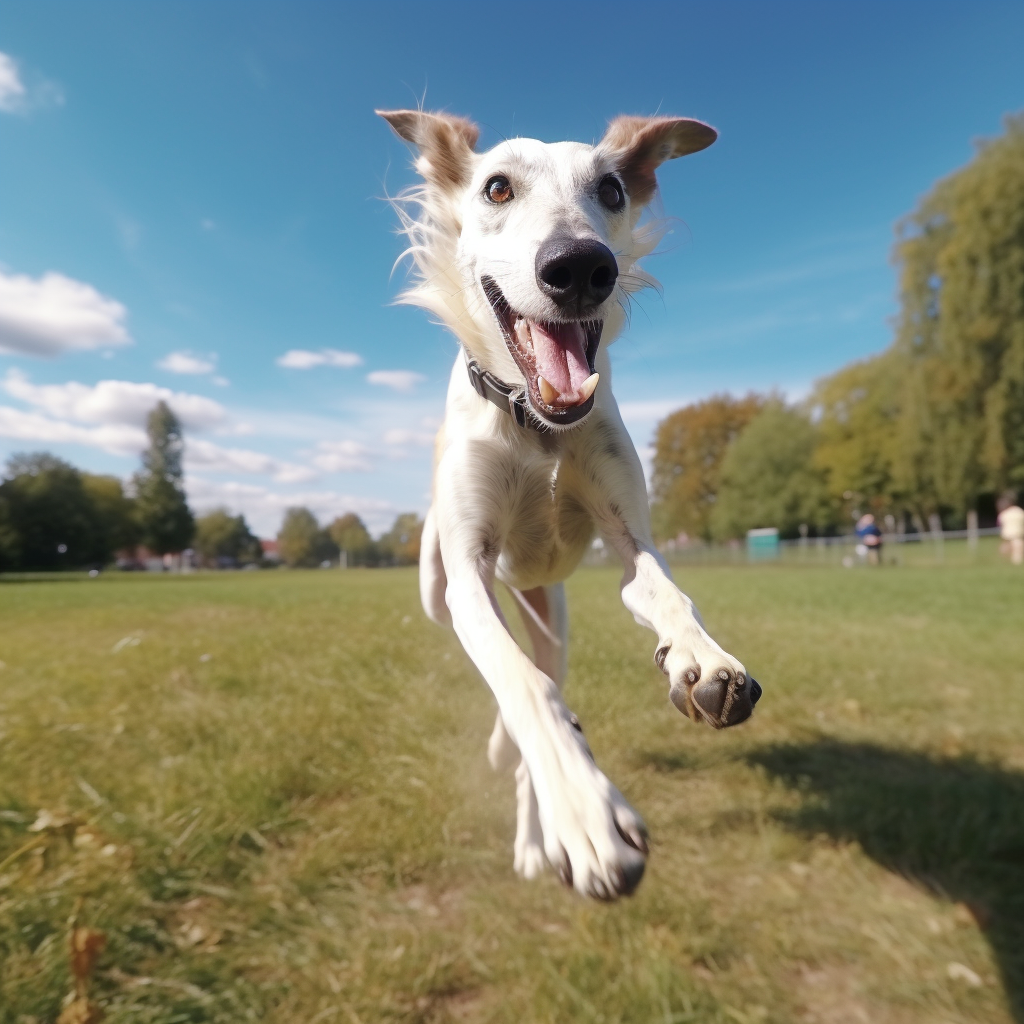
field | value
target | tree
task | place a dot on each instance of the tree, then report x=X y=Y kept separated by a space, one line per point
x=768 y=477
x=301 y=541
x=165 y=521
x=223 y=539
x=857 y=413
x=401 y=544
x=688 y=450
x=961 y=332
x=351 y=536
x=47 y=518
x=118 y=522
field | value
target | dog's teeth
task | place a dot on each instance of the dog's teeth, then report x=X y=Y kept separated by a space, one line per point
x=547 y=392
x=589 y=386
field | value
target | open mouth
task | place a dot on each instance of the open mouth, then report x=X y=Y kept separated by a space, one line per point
x=556 y=357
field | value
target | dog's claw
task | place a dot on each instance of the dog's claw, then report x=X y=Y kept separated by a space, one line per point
x=679 y=694
x=660 y=655
x=634 y=836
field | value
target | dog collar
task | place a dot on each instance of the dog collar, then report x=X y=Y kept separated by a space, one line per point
x=506 y=397
x=512 y=399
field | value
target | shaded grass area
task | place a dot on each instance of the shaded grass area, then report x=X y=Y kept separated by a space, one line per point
x=270 y=792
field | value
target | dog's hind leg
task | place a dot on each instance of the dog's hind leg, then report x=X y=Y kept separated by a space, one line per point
x=433 y=579
x=545 y=615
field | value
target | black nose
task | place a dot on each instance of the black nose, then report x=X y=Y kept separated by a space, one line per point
x=576 y=272
x=755 y=691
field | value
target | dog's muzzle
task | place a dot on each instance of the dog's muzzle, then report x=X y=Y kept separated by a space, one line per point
x=555 y=357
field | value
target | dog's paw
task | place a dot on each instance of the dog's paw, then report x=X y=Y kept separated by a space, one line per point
x=592 y=837
x=706 y=684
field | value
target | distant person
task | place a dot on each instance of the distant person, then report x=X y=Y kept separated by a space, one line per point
x=869 y=537
x=1011 y=528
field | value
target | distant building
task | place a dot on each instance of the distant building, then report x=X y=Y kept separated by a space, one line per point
x=141 y=558
x=270 y=550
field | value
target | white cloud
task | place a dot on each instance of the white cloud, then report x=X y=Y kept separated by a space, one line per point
x=54 y=314
x=205 y=455
x=12 y=88
x=398 y=436
x=113 y=401
x=397 y=380
x=264 y=507
x=301 y=359
x=116 y=438
x=342 y=457
x=123 y=435
x=186 y=362
x=19 y=97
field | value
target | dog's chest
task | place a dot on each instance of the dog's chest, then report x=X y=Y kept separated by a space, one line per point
x=549 y=526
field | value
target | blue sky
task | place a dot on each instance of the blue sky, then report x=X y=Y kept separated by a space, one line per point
x=197 y=187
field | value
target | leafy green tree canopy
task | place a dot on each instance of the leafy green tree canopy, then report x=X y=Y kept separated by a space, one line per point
x=302 y=542
x=352 y=537
x=48 y=519
x=961 y=332
x=688 y=450
x=118 y=522
x=401 y=544
x=222 y=537
x=165 y=521
x=857 y=413
x=768 y=478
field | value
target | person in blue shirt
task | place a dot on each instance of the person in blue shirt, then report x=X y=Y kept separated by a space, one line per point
x=869 y=536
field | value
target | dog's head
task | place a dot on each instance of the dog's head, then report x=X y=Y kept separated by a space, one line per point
x=528 y=251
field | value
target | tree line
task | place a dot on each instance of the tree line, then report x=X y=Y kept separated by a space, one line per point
x=303 y=542
x=930 y=430
x=55 y=516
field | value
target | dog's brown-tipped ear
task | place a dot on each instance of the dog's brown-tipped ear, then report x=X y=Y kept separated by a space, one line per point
x=445 y=144
x=639 y=145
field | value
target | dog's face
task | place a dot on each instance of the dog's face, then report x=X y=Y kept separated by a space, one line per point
x=544 y=242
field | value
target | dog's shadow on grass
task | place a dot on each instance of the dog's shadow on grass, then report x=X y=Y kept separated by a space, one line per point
x=953 y=825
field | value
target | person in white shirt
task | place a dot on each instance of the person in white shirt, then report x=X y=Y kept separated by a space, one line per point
x=1011 y=527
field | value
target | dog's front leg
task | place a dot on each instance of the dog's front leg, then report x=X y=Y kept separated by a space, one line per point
x=592 y=836
x=705 y=682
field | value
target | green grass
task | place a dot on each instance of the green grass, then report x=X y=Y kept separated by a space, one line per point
x=278 y=806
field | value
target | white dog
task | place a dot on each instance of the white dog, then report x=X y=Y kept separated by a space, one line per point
x=528 y=253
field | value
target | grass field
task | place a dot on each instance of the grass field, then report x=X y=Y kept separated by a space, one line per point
x=270 y=792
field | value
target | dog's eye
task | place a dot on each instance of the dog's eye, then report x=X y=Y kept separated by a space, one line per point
x=610 y=193
x=498 y=189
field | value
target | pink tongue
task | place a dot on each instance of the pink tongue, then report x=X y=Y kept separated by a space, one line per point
x=561 y=354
